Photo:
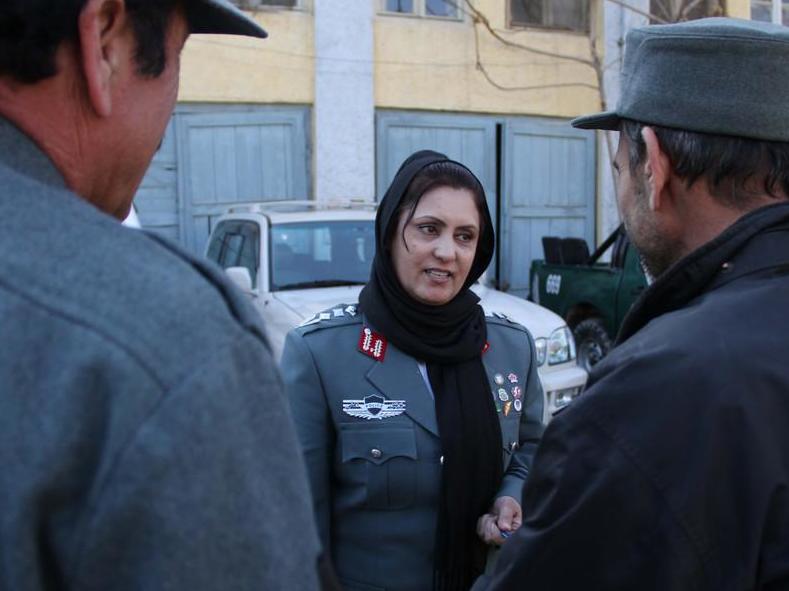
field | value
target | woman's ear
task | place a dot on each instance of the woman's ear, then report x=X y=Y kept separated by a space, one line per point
x=103 y=42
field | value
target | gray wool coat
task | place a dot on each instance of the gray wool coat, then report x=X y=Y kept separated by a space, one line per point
x=144 y=439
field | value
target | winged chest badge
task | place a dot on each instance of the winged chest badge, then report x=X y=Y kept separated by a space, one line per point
x=373 y=407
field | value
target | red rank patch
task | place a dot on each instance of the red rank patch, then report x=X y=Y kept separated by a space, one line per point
x=372 y=344
x=486 y=347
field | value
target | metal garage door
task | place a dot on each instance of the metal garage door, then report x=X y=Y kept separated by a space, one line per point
x=466 y=138
x=228 y=159
x=548 y=186
x=547 y=176
x=214 y=157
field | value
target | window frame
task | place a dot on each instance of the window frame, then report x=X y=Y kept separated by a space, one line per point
x=420 y=8
x=543 y=27
x=662 y=18
x=244 y=229
x=768 y=5
x=301 y=5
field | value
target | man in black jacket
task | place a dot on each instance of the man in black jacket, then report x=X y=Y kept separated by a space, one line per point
x=672 y=471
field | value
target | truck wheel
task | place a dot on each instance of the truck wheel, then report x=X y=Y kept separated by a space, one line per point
x=591 y=341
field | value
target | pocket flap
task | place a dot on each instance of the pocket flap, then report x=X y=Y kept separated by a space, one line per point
x=377 y=444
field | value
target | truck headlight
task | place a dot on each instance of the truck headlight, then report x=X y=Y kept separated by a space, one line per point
x=561 y=346
x=540 y=346
x=564 y=397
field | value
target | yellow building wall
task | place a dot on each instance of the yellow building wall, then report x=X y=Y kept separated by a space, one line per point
x=232 y=69
x=420 y=63
x=738 y=8
x=428 y=63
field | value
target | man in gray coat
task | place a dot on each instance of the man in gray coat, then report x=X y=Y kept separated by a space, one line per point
x=144 y=439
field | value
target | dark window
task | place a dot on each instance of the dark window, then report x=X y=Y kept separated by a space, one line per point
x=556 y=14
x=321 y=254
x=236 y=244
x=441 y=8
x=406 y=6
x=762 y=10
x=437 y=8
x=686 y=10
x=252 y=4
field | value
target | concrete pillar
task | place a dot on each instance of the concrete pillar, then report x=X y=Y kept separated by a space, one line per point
x=777 y=12
x=344 y=110
x=617 y=21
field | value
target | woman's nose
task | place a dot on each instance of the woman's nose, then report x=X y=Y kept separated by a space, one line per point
x=444 y=248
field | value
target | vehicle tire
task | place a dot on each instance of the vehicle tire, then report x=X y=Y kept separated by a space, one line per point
x=592 y=342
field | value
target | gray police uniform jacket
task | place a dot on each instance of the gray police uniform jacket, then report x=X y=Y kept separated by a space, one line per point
x=145 y=442
x=376 y=481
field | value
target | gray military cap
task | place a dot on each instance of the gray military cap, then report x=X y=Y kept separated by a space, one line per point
x=716 y=75
x=220 y=16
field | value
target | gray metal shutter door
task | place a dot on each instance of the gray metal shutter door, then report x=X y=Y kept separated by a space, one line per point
x=548 y=190
x=468 y=139
x=232 y=158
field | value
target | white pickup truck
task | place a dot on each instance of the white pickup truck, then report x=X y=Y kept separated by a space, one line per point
x=298 y=258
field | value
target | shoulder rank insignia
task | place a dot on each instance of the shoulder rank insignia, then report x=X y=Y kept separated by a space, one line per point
x=373 y=407
x=372 y=344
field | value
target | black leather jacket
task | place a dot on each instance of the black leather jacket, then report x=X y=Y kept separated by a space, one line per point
x=672 y=470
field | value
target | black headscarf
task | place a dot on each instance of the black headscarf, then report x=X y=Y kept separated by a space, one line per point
x=450 y=339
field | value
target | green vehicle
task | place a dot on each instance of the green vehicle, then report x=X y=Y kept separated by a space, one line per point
x=592 y=296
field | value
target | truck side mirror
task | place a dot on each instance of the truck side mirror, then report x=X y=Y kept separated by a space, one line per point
x=241 y=277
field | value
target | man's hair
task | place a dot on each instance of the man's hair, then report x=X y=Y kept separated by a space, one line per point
x=733 y=167
x=32 y=30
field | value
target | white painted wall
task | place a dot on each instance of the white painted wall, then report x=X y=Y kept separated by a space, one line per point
x=344 y=109
x=617 y=21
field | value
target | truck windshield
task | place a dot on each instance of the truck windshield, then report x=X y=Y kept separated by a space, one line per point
x=321 y=254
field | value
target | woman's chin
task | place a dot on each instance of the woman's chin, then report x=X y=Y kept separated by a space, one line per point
x=435 y=297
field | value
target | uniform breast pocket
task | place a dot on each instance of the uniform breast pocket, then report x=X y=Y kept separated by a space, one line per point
x=382 y=460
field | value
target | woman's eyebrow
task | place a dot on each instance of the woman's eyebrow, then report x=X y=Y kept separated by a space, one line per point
x=429 y=218
x=439 y=222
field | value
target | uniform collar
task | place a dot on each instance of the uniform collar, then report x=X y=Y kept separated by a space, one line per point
x=705 y=268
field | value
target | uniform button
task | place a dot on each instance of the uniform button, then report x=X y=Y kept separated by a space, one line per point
x=514 y=446
x=376 y=453
x=441 y=460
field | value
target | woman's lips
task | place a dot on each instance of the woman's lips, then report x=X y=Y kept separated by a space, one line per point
x=438 y=275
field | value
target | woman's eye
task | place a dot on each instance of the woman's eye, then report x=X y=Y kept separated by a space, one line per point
x=465 y=237
x=428 y=229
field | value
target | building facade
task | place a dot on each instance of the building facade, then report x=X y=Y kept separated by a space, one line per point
x=343 y=90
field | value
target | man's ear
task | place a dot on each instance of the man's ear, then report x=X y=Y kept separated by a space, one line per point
x=102 y=25
x=657 y=168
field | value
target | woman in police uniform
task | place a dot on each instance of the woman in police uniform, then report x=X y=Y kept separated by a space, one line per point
x=418 y=414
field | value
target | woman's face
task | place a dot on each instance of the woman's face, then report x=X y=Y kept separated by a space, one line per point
x=442 y=240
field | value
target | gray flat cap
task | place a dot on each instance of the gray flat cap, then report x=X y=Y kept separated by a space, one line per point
x=715 y=75
x=220 y=16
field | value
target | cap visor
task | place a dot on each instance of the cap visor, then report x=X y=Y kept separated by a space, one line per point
x=221 y=17
x=606 y=120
